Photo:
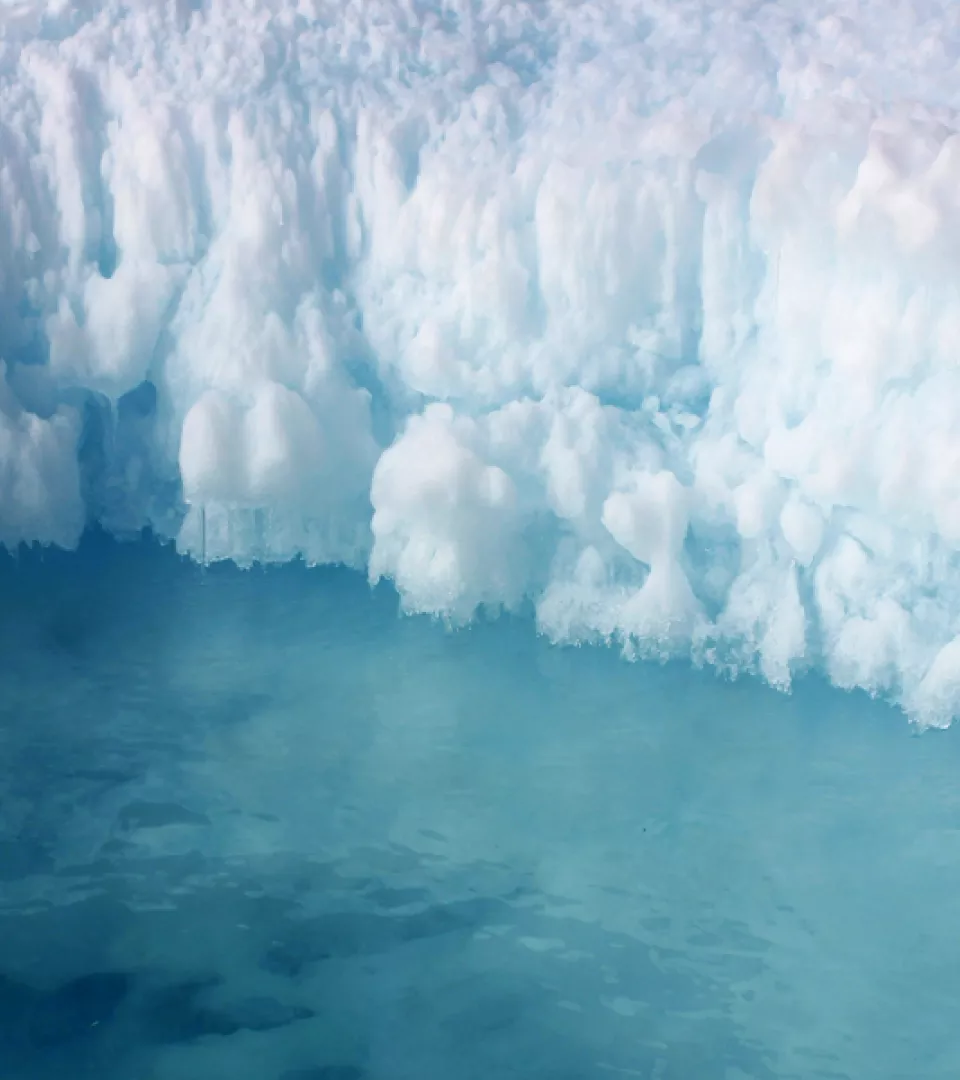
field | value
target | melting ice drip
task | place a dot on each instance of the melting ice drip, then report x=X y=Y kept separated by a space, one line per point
x=645 y=314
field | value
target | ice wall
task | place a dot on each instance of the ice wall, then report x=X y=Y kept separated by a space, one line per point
x=647 y=313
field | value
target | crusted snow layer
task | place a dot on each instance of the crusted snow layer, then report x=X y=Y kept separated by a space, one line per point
x=646 y=313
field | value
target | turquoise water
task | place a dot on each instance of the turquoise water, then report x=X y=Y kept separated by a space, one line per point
x=257 y=826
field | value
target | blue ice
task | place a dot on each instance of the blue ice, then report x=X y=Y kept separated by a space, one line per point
x=568 y=332
x=255 y=825
x=640 y=316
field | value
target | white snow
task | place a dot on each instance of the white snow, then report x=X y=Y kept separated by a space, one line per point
x=646 y=313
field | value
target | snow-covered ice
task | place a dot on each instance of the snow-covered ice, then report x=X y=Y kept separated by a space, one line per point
x=643 y=312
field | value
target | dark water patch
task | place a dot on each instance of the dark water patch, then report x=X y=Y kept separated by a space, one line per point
x=179 y=1014
x=326 y=1072
x=158 y=815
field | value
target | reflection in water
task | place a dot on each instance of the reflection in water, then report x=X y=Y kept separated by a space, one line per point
x=254 y=825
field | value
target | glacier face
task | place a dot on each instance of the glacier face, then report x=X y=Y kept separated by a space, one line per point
x=643 y=313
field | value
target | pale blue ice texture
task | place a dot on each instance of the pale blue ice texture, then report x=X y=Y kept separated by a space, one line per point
x=256 y=826
x=633 y=322
x=642 y=313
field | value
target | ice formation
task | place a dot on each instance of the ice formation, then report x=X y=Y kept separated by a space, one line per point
x=643 y=312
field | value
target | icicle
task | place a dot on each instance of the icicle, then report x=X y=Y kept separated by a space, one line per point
x=203 y=539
